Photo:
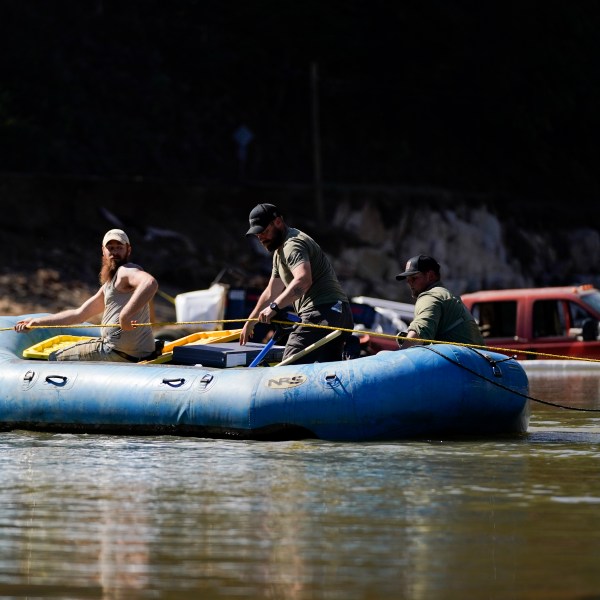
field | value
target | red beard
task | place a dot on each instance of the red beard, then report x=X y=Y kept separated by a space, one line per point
x=109 y=268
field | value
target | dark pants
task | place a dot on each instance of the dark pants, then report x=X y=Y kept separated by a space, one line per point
x=302 y=337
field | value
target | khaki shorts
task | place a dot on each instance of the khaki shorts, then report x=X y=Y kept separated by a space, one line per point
x=96 y=349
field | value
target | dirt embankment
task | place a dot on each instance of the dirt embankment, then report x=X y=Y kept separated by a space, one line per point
x=51 y=231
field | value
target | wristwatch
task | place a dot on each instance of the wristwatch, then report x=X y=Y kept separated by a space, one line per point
x=273 y=306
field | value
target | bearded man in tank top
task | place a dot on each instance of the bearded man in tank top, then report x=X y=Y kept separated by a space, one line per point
x=122 y=300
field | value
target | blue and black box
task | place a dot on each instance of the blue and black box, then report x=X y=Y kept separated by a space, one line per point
x=229 y=354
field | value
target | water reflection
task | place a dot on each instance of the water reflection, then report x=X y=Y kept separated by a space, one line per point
x=572 y=388
x=115 y=517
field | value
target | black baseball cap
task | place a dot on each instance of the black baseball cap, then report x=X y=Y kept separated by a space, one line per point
x=419 y=264
x=260 y=217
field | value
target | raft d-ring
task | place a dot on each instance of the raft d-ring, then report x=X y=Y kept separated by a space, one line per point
x=494 y=364
x=332 y=380
x=205 y=381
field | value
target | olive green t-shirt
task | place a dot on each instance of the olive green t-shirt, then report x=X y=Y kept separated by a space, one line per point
x=297 y=248
x=442 y=316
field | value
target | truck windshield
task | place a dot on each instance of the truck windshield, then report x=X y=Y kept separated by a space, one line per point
x=593 y=300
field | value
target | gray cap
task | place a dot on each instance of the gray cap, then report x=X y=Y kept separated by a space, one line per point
x=115 y=234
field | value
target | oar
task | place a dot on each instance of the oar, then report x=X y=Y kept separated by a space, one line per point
x=317 y=344
x=264 y=351
x=271 y=342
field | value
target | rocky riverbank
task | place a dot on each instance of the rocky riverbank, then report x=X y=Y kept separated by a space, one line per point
x=189 y=236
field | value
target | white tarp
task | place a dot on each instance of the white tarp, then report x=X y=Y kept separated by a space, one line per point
x=202 y=305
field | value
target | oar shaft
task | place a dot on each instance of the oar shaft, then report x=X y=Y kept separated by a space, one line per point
x=263 y=352
x=276 y=335
x=317 y=344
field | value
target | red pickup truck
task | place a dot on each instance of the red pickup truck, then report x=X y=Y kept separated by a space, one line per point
x=555 y=320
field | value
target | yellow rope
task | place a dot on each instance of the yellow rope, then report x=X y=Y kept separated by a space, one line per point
x=166 y=296
x=354 y=331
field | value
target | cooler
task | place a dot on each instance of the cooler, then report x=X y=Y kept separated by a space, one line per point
x=224 y=355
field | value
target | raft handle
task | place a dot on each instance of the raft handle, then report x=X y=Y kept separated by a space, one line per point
x=57 y=379
x=178 y=382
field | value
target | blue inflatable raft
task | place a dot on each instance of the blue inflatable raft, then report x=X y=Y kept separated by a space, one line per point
x=426 y=391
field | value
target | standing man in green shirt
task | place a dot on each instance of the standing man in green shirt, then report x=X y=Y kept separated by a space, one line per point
x=439 y=315
x=301 y=276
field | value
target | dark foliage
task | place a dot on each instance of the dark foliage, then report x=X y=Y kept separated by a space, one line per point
x=471 y=96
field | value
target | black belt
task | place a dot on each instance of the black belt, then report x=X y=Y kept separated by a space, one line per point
x=158 y=347
x=129 y=357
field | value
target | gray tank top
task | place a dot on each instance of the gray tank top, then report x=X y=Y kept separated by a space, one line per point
x=140 y=341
